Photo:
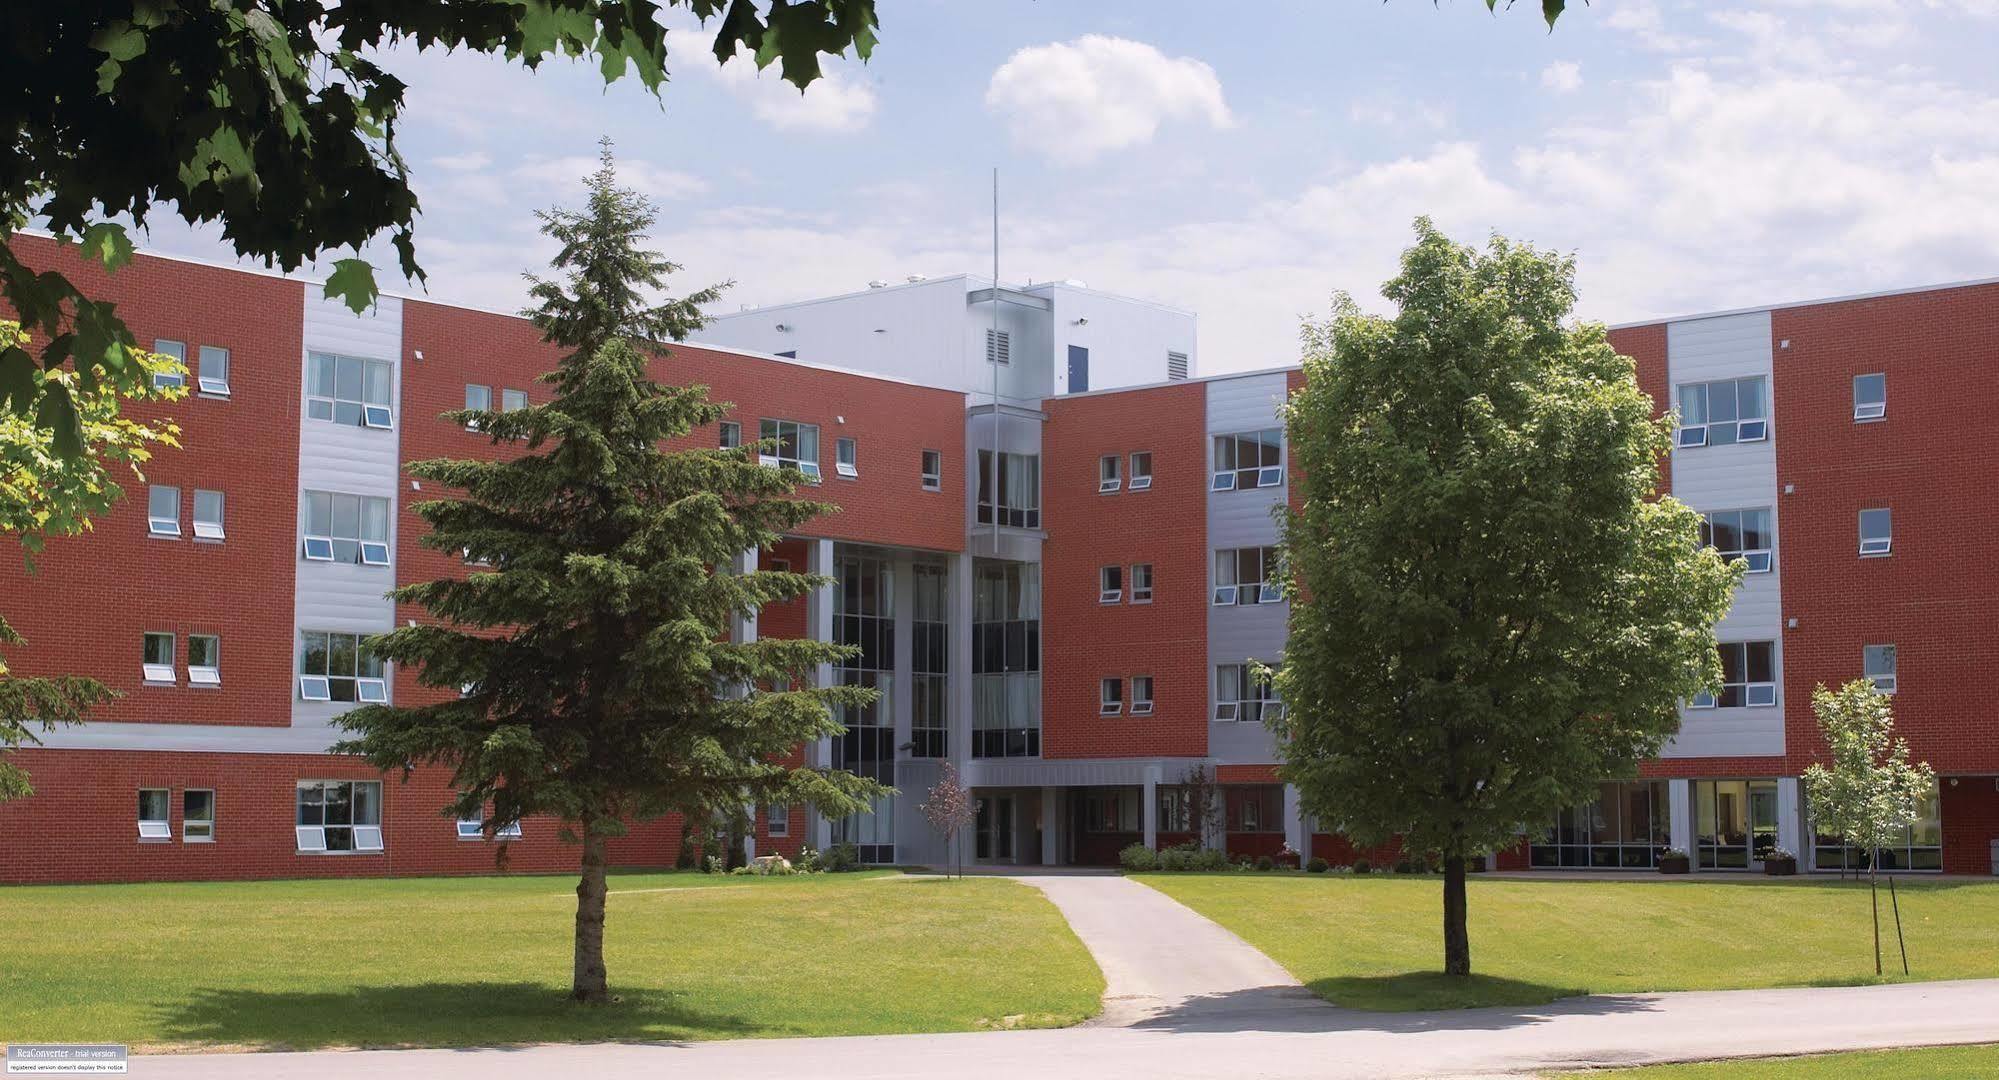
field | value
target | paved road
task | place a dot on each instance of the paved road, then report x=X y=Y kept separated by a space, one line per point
x=1186 y=998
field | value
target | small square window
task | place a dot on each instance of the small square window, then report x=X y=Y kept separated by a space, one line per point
x=513 y=400
x=163 y=510
x=204 y=660
x=472 y=828
x=1141 y=470
x=1879 y=665
x=729 y=435
x=158 y=666
x=1870 y=396
x=1141 y=583
x=153 y=823
x=177 y=350
x=777 y=820
x=1877 y=532
x=315 y=688
x=207 y=515
x=197 y=816
x=213 y=378
x=1110 y=697
x=1108 y=474
x=845 y=458
x=1141 y=695
x=478 y=399
x=933 y=470
x=1110 y=584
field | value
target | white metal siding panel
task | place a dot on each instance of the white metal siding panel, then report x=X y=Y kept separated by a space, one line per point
x=1238 y=519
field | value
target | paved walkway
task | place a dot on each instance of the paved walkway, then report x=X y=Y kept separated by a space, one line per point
x=1186 y=998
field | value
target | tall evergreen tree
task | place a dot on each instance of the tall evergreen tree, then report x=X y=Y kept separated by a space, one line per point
x=1492 y=613
x=598 y=684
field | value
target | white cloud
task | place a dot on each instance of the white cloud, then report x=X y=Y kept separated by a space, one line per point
x=1562 y=76
x=834 y=104
x=1074 y=100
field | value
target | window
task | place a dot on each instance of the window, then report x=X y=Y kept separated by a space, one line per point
x=1739 y=534
x=153 y=824
x=787 y=442
x=1141 y=583
x=158 y=665
x=1110 y=697
x=1019 y=489
x=1253 y=808
x=479 y=398
x=1141 y=470
x=999 y=347
x=207 y=515
x=1918 y=847
x=204 y=660
x=1877 y=532
x=777 y=820
x=845 y=458
x=339 y=667
x=1079 y=369
x=1870 y=396
x=163 y=510
x=1748 y=676
x=511 y=400
x=1241 y=695
x=346 y=528
x=1249 y=460
x=1111 y=810
x=1878 y=663
x=213 y=378
x=1723 y=412
x=474 y=828
x=930 y=661
x=347 y=390
x=339 y=815
x=1108 y=479
x=1110 y=584
x=1141 y=695
x=1627 y=825
x=1006 y=659
x=1176 y=365
x=197 y=816
x=1176 y=810
x=1242 y=576
x=731 y=435
x=177 y=350
x=933 y=470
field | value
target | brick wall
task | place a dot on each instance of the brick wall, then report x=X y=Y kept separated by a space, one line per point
x=1084 y=641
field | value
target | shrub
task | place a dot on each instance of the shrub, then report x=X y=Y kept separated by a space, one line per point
x=1404 y=866
x=1136 y=858
x=1211 y=859
x=1317 y=865
x=1265 y=862
x=840 y=858
x=1362 y=866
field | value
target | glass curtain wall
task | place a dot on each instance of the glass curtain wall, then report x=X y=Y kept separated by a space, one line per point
x=1919 y=848
x=1735 y=823
x=864 y=617
x=1627 y=825
x=930 y=663
x=1006 y=659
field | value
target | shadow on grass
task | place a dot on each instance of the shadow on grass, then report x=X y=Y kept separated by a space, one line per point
x=1417 y=1001
x=439 y=1015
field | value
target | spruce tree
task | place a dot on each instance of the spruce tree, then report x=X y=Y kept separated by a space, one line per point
x=592 y=675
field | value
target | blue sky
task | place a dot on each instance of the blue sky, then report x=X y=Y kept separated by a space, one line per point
x=1694 y=155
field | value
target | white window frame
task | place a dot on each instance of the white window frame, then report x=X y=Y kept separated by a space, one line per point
x=1110 y=473
x=483 y=404
x=155 y=673
x=1231 y=592
x=777 y=820
x=1883 y=680
x=366 y=838
x=1879 y=545
x=197 y=830
x=204 y=674
x=1870 y=408
x=1250 y=690
x=933 y=478
x=176 y=349
x=1141 y=704
x=1757 y=560
x=368 y=551
x=1110 y=696
x=318 y=685
x=1747 y=429
x=379 y=415
x=1229 y=477
x=1141 y=479
x=474 y=828
x=512 y=400
x=213 y=357
x=158 y=524
x=157 y=828
x=808 y=466
x=1751 y=691
x=846 y=457
x=206 y=529
x=1141 y=595
x=729 y=435
x=1110 y=584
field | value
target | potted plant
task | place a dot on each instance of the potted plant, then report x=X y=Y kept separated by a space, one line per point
x=1675 y=861
x=1781 y=862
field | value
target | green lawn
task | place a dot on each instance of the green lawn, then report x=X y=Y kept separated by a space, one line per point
x=1933 y=1063
x=1376 y=942
x=484 y=961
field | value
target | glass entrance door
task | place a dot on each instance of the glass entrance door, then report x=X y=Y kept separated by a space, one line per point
x=1762 y=821
x=1735 y=823
x=995 y=828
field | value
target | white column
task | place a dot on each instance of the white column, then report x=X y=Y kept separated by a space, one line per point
x=743 y=627
x=1680 y=803
x=1148 y=807
x=1791 y=820
x=1295 y=832
x=819 y=627
x=1049 y=823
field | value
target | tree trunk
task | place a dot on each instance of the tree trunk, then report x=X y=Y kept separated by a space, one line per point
x=590 y=985
x=1457 y=940
x=1875 y=898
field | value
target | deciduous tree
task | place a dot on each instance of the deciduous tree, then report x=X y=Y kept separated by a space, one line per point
x=598 y=685
x=950 y=807
x=1491 y=612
